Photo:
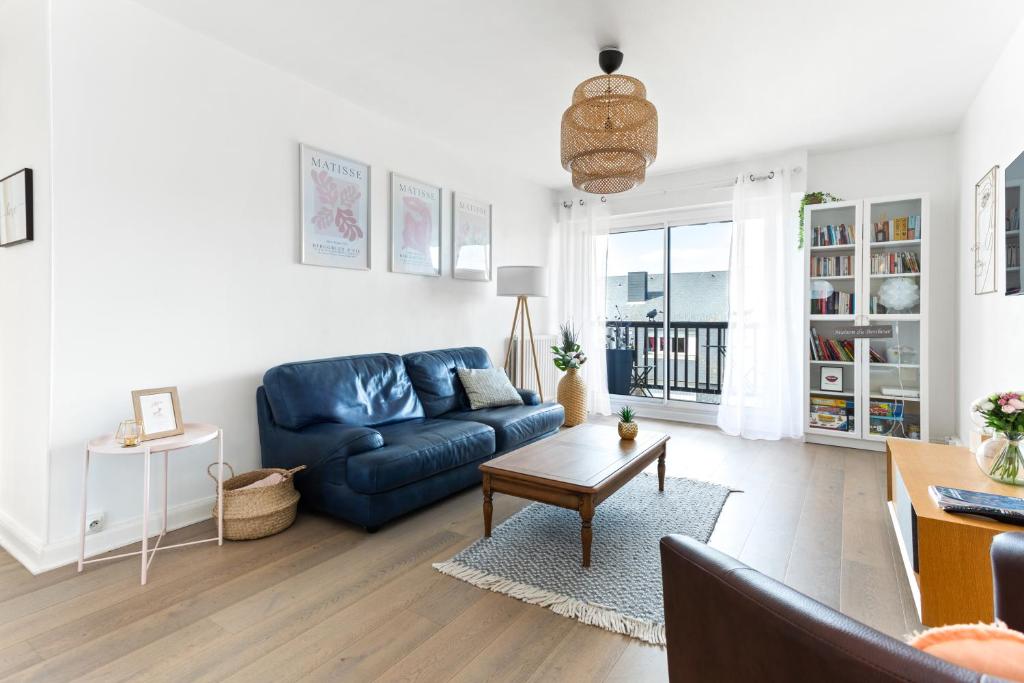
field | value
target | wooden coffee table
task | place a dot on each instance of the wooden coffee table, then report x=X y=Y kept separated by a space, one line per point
x=576 y=469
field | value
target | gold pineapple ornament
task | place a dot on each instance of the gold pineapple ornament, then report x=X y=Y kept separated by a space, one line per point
x=628 y=429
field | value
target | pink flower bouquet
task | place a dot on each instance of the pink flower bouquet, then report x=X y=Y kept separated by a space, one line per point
x=1004 y=413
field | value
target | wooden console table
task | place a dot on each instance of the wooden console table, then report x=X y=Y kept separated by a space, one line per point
x=946 y=556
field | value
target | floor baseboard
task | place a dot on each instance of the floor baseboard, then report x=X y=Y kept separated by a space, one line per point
x=38 y=557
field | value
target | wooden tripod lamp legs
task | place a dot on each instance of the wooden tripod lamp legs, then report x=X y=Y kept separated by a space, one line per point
x=522 y=317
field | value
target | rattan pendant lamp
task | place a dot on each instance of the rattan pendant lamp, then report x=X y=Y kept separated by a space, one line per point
x=610 y=132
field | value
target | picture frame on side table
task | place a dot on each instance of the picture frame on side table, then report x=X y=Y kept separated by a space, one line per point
x=415 y=226
x=16 y=208
x=831 y=379
x=472 y=230
x=985 y=233
x=159 y=412
x=335 y=210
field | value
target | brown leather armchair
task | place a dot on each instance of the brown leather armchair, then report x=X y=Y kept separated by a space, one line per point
x=727 y=622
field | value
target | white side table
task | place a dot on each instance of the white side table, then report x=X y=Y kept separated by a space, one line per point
x=196 y=433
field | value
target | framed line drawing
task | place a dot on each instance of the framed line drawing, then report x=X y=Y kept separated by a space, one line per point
x=16 y=208
x=985 y=233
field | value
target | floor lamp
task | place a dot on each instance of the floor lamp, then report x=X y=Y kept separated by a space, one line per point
x=522 y=282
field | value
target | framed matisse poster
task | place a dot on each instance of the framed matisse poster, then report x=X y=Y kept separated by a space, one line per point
x=335 y=210
x=985 y=233
x=16 y=208
x=471 y=238
x=415 y=226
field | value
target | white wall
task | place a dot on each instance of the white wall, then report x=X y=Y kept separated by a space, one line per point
x=176 y=208
x=991 y=350
x=25 y=280
x=906 y=167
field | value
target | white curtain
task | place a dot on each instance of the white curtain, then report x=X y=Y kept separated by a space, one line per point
x=763 y=381
x=582 y=273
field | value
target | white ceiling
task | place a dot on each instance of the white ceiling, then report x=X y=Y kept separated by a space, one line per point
x=730 y=78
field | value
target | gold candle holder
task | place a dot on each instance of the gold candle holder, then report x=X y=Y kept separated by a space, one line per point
x=129 y=433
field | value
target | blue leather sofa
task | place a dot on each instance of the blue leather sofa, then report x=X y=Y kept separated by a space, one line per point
x=382 y=435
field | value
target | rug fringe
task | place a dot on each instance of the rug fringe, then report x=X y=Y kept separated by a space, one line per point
x=593 y=615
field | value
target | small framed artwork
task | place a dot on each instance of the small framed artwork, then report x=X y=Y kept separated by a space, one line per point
x=159 y=412
x=831 y=379
x=16 y=208
x=415 y=227
x=471 y=238
x=985 y=233
x=335 y=210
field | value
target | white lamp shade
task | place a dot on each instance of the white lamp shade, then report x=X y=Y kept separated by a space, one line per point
x=522 y=281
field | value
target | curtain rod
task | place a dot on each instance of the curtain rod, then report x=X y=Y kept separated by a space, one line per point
x=709 y=184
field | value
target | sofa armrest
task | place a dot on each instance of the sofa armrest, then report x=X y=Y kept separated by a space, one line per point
x=727 y=622
x=312 y=445
x=1008 y=578
x=530 y=397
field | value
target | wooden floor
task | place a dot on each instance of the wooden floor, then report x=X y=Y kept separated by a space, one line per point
x=326 y=601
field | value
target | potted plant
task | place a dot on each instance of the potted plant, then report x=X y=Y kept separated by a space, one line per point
x=572 y=391
x=619 y=355
x=1000 y=457
x=627 y=427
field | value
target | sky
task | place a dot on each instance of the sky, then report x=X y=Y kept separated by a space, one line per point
x=695 y=249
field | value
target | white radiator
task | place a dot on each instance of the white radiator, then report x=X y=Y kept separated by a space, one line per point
x=549 y=374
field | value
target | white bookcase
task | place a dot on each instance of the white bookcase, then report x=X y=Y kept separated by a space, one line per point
x=852 y=401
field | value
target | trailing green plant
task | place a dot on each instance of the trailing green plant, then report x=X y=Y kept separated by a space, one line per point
x=568 y=353
x=626 y=414
x=813 y=198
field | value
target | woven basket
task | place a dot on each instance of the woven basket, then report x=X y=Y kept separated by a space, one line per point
x=572 y=394
x=259 y=512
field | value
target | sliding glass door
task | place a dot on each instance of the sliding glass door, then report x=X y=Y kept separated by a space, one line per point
x=667 y=334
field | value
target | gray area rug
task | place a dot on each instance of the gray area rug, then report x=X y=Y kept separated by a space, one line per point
x=535 y=554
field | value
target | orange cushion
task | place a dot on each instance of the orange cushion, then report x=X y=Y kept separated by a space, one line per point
x=986 y=648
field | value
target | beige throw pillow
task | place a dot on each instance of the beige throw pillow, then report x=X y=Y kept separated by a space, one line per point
x=488 y=388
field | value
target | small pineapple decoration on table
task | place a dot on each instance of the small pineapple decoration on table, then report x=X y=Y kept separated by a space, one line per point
x=627 y=427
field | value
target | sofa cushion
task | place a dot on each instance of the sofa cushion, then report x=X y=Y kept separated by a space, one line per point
x=514 y=425
x=433 y=373
x=362 y=391
x=488 y=388
x=417 y=449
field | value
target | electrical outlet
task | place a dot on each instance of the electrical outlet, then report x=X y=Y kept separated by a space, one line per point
x=93 y=522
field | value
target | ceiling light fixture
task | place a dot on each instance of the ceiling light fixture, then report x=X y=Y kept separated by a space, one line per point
x=610 y=132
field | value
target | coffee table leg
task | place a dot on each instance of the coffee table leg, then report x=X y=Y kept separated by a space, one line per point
x=488 y=505
x=661 y=470
x=586 y=534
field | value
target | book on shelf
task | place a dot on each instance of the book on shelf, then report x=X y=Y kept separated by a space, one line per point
x=898 y=229
x=835 y=414
x=831 y=266
x=832 y=235
x=895 y=262
x=837 y=303
x=876 y=357
x=830 y=349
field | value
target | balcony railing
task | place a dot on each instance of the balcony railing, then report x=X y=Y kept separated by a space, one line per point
x=692 y=357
